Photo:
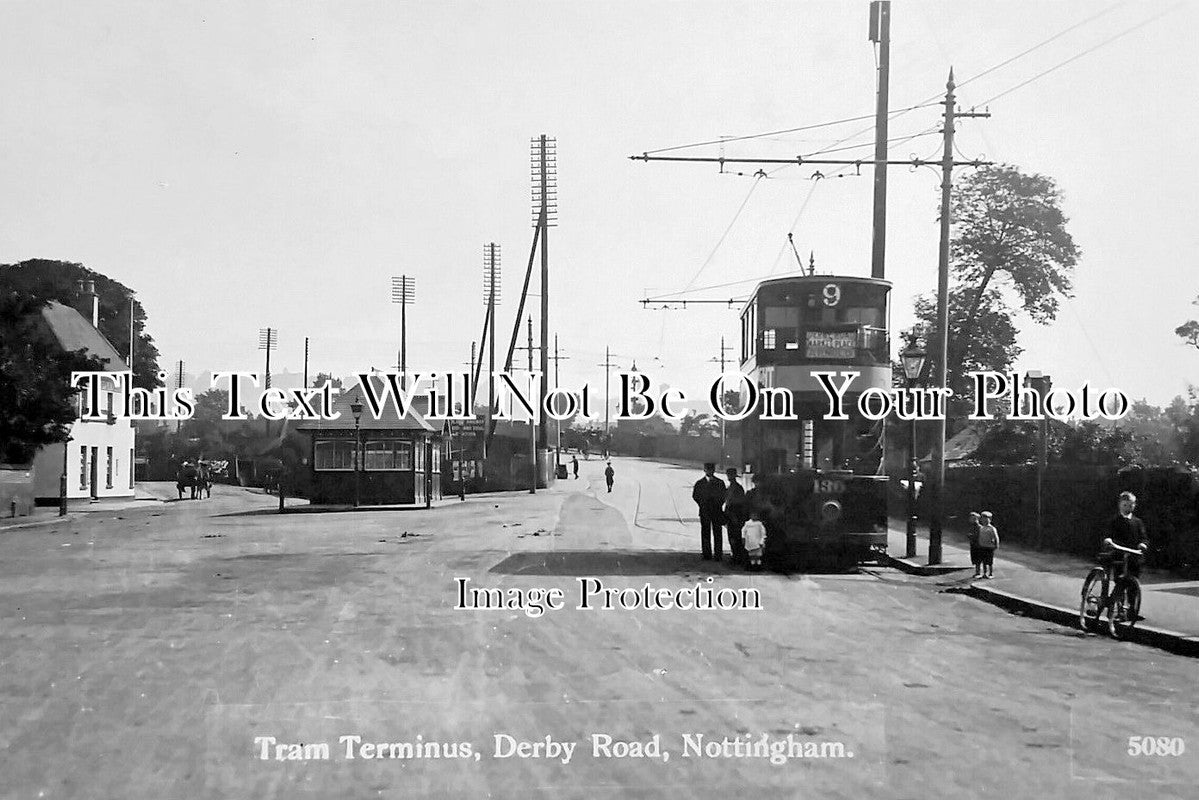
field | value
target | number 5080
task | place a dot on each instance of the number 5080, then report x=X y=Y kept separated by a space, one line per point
x=1156 y=746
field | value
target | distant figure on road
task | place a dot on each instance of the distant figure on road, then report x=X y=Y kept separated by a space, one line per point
x=609 y=475
x=972 y=537
x=735 y=515
x=574 y=464
x=988 y=542
x=708 y=494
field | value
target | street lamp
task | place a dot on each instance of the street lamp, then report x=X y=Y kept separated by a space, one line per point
x=356 y=410
x=913 y=365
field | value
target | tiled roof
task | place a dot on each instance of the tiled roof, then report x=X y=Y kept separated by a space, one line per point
x=388 y=418
x=73 y=332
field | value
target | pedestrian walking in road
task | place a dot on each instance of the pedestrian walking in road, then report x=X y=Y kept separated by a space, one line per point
x=754 y=538
x=988 y=543
x=972 y=538
x=609 y=475
x=574 y=464
x=708 y=494
x=735 y=515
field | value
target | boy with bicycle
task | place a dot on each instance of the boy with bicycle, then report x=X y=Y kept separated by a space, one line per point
x=1126 y=536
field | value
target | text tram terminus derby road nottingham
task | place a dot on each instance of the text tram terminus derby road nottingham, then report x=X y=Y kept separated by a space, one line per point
x=821 y=478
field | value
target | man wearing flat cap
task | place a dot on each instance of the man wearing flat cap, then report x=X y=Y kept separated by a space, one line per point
x=708 y=494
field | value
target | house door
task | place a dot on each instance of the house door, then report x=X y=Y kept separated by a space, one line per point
x=94 y=477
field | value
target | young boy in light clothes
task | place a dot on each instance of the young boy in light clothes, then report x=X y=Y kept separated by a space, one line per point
x=988 y=543
x=753 y=534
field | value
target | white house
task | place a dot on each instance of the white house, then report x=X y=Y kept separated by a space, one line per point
x=99 y=454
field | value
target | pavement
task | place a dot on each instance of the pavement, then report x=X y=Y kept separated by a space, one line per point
x=144 y=495
x=1049 y=585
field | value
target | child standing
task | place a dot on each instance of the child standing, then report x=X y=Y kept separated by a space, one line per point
x=753 y=535
x=988 y=542
x=972 y=538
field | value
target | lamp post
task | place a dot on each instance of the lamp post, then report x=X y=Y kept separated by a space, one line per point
x=356 y=410
x=913 y=364
x=62 y=480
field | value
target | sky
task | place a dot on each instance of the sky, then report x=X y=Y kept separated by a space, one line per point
x=244 y=165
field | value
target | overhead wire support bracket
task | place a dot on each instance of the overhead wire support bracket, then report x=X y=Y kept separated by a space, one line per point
x=800 y=160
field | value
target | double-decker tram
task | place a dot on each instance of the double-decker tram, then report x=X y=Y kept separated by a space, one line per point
x=821 y=478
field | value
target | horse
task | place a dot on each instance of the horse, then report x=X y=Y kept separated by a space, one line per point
x=187 y=477
x=204 y=481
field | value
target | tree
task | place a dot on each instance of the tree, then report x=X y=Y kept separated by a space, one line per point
x=325 y=377
x=206 y=425
x=1010 y=245
x=992 y=347
x=1189 y=330
x=57 y=280
x=697 y=423
x=36 y=398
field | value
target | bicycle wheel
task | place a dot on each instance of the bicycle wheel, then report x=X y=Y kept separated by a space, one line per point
x=1093 y=591
x=1123 y=612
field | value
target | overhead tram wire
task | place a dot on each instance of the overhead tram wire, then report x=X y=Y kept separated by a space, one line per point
x=929 y=101
x=724 y=235
x=765 y=134
x=1088 y=51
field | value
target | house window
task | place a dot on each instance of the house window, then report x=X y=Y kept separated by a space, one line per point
x=108 y=473
x=130 y=467
x=82 y=467
x=333 y=454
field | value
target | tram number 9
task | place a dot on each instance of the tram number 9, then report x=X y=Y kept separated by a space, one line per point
x=1156 y=745
x=829 y=486
x=831 y=294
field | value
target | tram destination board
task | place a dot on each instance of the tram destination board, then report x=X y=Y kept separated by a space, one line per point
x=831 y=344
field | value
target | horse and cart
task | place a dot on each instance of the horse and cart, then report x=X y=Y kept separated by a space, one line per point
x=197 y=477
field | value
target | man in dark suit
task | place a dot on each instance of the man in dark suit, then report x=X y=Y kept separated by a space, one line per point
x=736 y=513
x=708 y=494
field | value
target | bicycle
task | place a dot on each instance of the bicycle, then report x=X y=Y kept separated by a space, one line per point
x=1123 y=607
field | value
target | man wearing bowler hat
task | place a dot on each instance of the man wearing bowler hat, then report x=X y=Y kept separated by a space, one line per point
x=708 y=494
x=735 y=515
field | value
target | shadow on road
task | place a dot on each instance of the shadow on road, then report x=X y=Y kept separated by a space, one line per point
x=580 y=563
x=584 y=563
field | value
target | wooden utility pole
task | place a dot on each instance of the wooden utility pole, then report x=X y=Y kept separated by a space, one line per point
x=558 y=447
x=532 y=427
x=305 y=362
x=936 y=518
x=132 y=338
x=880 y=32
x=403 y=291
x=545 y=194
x=724 y=457
x=491 y=273
x=607 y=365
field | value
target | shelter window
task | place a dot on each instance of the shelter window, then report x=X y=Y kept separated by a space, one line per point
x=333 y=454
x=387 y=454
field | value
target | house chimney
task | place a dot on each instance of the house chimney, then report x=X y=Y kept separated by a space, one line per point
x=89 y=302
